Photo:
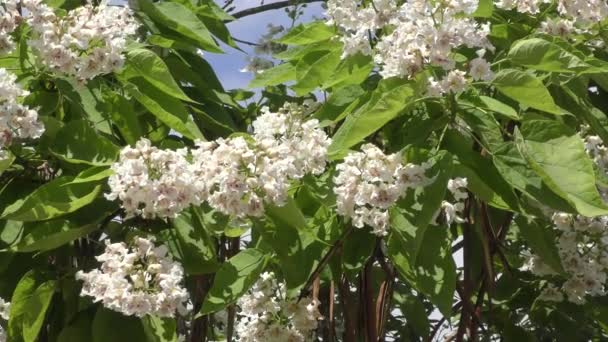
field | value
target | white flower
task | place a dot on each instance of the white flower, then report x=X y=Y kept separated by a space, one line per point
x=123 y=283
x=369 y=182
x=88 y=41
x=452 y=212
x=16 y=120
x=9 y=20
x=151 y=182
x=558 y=27
x=418 y=35
x=480 y=68
x=523 y=6
x=267 y=315
x=237 y=177
x=5 y=309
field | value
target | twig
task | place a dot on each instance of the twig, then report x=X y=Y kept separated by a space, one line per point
x=270 y=7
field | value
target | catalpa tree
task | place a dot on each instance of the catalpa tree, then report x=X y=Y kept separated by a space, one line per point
x=398 y=170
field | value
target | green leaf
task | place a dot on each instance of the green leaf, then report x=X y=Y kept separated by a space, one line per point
x=19 y=303
x=484 y=9
x=539 y=54
x=79 y=330
x=357 y=249
x=435 y=273
x=78 y=143
x=124 y=117
x=56 y=198
x=191 y=244
x=516 y=171
x=386 y=103
x=50 y=235
x=233 y=279
x=160 y=329
x=415 y=314
x=181 y=19
x=35 y=310
x=415 y=212
x=542 y=241
x=351 y=70
x=112 y=326
x=527 y=90
x=167 y=109
x=314 y=69
x=557 y=155
x=289 y=215
x=143 y=63
x=274 y=76
x=490 y=104
x=308 y=33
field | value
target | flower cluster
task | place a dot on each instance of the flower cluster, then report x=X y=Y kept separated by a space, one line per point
x=522 y=6
x=138 y=280
x=583 y=249
x=236 y=176
x=369 y=182
x=582 y=12
x=86 y=42
x=5 y=308
x=16 y=120
x=421 y=32
x=152 y=182
x=453 y=211
x=267 y=316
x=9 y=20
x=582 y=244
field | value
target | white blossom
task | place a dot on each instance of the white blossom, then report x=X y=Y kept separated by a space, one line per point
x=558 y=27
x=152 y=182
x=9 y=20
x=522 y=6
x=16 y=120
x=266 y=315
x=583 y=11
x=369 y=182
x=86 y=42
x=480 y=69
x=140 y=279
x=238 y=176
x=453 y=211
x=421 y=32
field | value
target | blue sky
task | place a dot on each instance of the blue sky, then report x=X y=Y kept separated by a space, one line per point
x=250 y=28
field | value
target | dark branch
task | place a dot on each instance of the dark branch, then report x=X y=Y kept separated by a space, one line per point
x=270 y=7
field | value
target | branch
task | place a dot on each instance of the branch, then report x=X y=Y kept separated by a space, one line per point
x=270 y=7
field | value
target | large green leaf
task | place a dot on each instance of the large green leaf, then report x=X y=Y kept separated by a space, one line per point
x=24 y=290
x=190 y=243
x=56 y=198
x=526 y=89
x=113 y=326
x=557 y=155
x=48 y=235
x=274 y=76
x=35 y=310
x=540 y=54
x=308 y=33
x=233 y=279
x=167 y=109
x=78 y=143
x=415 y=212
x=182 y=20
x=160 y=329
x=143 y=63
x=351 y=70
x=389 y=100
x=314 y=69
x=541 y=239
x=517 y=172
